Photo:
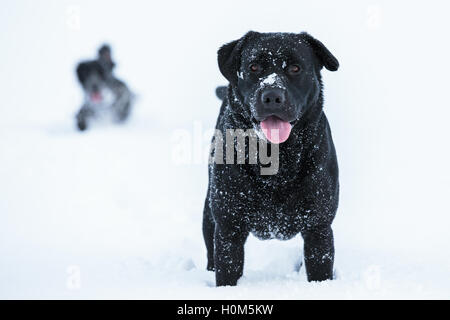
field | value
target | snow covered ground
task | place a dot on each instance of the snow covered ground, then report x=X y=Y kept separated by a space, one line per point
x=110 y=214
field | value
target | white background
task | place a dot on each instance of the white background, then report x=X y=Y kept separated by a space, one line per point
x=110 y=214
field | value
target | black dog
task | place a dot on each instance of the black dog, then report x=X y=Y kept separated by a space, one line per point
x=274 y=85
x=104 y=94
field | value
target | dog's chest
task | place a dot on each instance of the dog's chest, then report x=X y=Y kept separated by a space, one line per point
x=274 y=211
x=274 y=225
x=275 y=215
x=105 y=104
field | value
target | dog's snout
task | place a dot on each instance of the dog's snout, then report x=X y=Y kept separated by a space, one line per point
x=95 y=88
x=273 y=97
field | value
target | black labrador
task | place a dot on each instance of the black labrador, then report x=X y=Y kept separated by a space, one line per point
x=275 y=89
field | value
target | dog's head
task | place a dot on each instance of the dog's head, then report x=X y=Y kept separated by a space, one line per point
x=94 y=74
x=276 y=76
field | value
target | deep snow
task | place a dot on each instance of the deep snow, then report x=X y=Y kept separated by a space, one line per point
x=112 y=214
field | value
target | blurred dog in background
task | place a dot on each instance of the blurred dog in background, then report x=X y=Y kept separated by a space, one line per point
x=105 y=95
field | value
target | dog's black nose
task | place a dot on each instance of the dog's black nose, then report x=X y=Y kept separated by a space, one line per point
x=273 y=97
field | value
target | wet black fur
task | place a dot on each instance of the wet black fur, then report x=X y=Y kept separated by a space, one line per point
x=302 y=197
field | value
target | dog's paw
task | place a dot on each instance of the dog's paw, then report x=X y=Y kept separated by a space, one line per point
x=81 y=124
x=210 y=267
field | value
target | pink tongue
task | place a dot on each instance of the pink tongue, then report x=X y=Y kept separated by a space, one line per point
x=96 y=97
x=275 y=129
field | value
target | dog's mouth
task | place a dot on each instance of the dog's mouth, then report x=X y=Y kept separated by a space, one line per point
x=96 y=97
x=275 y=129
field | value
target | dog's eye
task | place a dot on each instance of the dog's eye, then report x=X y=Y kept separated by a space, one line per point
x=254 y=67
x=293 y=69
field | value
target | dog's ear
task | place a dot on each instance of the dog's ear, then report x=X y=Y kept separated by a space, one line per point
x=229 y=57
x=325 y=57
x=82 y=72
x=104 y=57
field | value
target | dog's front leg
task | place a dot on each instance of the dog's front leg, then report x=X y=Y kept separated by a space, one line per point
x=229 y=255
x=83 y=117
x=319 y=253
